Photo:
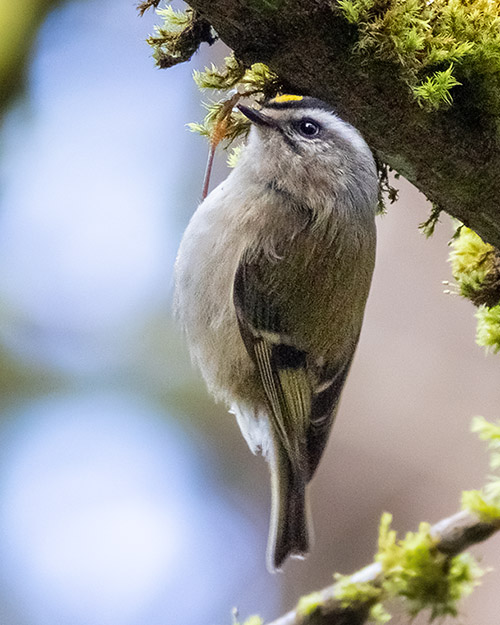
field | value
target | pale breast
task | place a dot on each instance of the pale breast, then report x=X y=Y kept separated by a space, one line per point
x=206 y=265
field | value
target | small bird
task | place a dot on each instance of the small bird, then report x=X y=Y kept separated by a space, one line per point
x=272 y=278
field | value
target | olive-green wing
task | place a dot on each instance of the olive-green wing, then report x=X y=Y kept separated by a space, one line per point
x=302 y=393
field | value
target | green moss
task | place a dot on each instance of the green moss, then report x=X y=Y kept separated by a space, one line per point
x=486 y=502
x=415 y=570
x=255 y=80
x=234 y=81
x=386 y=192
x=351 y=593
x=309 y=604
x=378 y=614
x=179 y=35
x=355 y=10
x=429 y=225
x=237 y=124
x=227 y=78
x=481 y=504
x=469 y=254
x=436 y=89
x=476 y=268
x=435 y=46
x=488 y=328
x=259 y=83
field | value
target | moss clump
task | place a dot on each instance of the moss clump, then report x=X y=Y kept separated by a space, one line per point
x=476 y=268
x=415 y=570
x=236 y=124
x=435 y=46
x=222 y=123
x=435 y=90
x=179 y=36
x=309 y=604
x=486 y=502
x=352 y=594
x=480 y=502
x=233 y=82
x=488 y=328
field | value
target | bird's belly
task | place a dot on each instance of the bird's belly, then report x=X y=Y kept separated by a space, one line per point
x=206 y=265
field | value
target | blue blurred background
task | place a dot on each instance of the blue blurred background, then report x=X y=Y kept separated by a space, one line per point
x=126 y=496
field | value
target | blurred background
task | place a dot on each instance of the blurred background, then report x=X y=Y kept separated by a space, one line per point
x=127 y=497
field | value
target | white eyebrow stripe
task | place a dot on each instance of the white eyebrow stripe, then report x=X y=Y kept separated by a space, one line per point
x=337 y=125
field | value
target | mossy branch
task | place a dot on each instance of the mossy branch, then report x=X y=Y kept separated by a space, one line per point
x=420 y=80
x=223 y=124
x=426 y=570
x=422 y=83
x=451 y=536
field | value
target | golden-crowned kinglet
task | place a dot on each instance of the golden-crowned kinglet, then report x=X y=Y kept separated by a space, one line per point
x=272 y=277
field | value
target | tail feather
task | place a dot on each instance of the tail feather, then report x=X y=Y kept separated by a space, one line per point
x=289 y=529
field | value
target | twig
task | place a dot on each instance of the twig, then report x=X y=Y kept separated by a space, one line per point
x=217 y=136
x=453 y=535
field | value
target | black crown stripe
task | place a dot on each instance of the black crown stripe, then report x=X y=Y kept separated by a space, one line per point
x=306 y=102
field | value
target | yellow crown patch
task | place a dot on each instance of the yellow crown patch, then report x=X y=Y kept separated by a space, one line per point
x=286 y=97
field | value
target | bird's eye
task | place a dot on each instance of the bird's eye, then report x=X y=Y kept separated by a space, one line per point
x=308 y=128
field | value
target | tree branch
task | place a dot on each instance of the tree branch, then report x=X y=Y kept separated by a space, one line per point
x=452 y=156
x=453 y=535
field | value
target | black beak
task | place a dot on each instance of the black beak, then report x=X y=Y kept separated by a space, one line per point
x=256 y=116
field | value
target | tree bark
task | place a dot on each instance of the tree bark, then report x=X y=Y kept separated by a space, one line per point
x=452 y=156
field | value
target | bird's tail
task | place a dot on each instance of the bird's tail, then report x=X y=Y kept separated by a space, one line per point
x=289 y=528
